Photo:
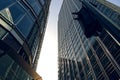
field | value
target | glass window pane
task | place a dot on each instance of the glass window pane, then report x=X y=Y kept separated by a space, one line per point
x=35 y=5
x=5 y=3
x=17 y=12
x=2 y=32
x=25 y=25
x=42 y=1
x=12 y=42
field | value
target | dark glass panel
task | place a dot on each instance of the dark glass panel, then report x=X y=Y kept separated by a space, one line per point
x=42 y=1
x=32 y=35
x=2 y=32
x=101 y=77
x=100 y=52
x=97 y=70
x=35 y=5
x=82 y=76
x=96 y=45
x=87 y=69
x=25 y=25
x=1 y=52
x=12 y=42
x=5 y=63
x=5 y=3
x=105 y=61
x=84 y=61
x=79 y=66
x=114 y=76
x=90 y=53
x=17 y=12
x=90 y=77
x=93 y=61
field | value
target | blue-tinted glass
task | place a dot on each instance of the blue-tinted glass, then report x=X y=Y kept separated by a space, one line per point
x=5 y=63
x=97 y=70
x=25 y=25
x=35 y=5
x=42 y=1
x=12 y=42
x=9 y=70
x=1 y=52
x=32 y=36
x=2 y=32
x=82 y=76
x=93 y=60
x=114 y=76
x=105 y=61
x=5 y=3
x=17 y=12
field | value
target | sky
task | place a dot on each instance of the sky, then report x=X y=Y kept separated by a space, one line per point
x=48 y=65
x=116 y=2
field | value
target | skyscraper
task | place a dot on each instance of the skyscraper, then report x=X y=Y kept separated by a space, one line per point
x=22 y=28
x=89 y=40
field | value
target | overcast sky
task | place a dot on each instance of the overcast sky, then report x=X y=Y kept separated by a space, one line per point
x=48 y=66
x=116 y=2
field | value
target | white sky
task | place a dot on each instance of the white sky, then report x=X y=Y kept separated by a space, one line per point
x=116 y=2
x=48 y=66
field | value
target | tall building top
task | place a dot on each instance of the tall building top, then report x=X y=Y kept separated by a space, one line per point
x=88 y=40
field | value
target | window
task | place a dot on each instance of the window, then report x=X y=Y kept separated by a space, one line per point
x=114 y=76
x=82 y=76
x=87 y=69
x=101 y=77
x=105 y=61
x=108 y=41
x=79 y=66
x=93 y=61
x=25 y=25
x=12 y=42
x=32 y=34
x=5 y=3
x=115 y=50
x=42 y=1
x=5 y=63
x=84 y=61
x=95 y=45
x=90 y=77
x=1 y=52
x=2 y=32
x=17 y=12
x=35 y=5
x=97 y=70
x=100 y=52
x=90 y=53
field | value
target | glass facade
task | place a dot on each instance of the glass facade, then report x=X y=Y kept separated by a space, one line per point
x=94 y=57
x=22 y=28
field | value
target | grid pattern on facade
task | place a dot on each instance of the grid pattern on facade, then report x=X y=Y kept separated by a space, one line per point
x=22 y=28
x=82 y=58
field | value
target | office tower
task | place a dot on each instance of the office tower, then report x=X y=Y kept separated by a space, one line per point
x=22 y=28
x=89 y=40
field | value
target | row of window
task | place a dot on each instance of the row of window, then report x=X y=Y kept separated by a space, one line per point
x=13 y=43
x=114 y=16
x=11 y=70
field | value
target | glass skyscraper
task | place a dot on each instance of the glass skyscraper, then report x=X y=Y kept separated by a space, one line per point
x=22 y=28
x=89 y=40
